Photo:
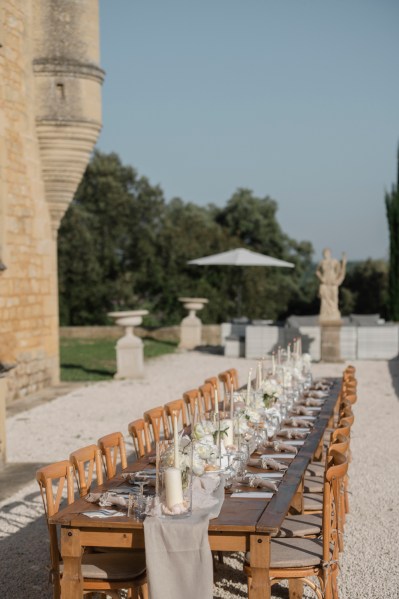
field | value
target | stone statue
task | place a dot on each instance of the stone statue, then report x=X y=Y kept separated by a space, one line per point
x=331 y=274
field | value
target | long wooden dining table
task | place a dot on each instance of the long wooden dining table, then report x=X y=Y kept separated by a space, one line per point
x=242 y=525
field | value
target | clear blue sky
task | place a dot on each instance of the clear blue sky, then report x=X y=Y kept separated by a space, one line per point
x=296 y=99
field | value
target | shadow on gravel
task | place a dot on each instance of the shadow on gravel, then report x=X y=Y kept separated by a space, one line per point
x=24 y=555
x=216 y=350
x=393 y=366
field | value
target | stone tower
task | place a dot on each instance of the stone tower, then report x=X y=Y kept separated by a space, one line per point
x=50 y=118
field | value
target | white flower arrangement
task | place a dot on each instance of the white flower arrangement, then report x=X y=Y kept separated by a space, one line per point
x=241 y=423
x=251 y=415
x=271 y=392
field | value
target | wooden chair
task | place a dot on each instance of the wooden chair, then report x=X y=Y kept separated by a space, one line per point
x=178 y=408
x=228 y=386
x=86 y=462
x=138 y=430
x=112 y=447
x=207 y=392
x=193 y=401
x=104 y=572
x=300 y=559
x=213 y=380
x=157 y=422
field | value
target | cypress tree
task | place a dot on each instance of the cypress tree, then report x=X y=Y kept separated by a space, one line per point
x=392 y=208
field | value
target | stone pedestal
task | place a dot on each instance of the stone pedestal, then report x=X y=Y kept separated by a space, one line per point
x=330 y=341
x=191 y=326
x=129 y=348
x=3 y=445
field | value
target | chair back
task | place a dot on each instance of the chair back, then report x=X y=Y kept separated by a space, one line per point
x=157 y=423
x=207 y=392
x=177 y=408
x=227 y=382
x=213 y=380
x=112 y=447
x=336 y=470
x=86 y=462
x=193 y=401
x=54 y=480
x=138 y=430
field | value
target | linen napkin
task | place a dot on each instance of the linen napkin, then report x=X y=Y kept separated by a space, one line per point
x=266 y=463
x=321 y=384
x=298 y=422
x=301 y=410
x=317 y=394
x=277 y=446
x=309 y=401
x=112 y=499
x=257 y=482
x=178 y=556
x=292 y=434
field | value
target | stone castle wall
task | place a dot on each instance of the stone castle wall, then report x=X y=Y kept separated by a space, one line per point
x=28 y=296
x=43 y=153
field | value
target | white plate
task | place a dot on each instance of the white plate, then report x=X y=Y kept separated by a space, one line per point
x=279 y=455
x=254 y=495
x=296 y=430
x=295 y=441
x=269 y=474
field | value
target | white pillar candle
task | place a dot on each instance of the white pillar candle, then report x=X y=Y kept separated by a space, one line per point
x=173 y=487
x=258 y=376
x=216 y=402
x=249 y=386
x=228 y=437
x=176 y=442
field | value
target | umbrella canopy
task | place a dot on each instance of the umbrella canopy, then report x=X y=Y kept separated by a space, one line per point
x=241 y=257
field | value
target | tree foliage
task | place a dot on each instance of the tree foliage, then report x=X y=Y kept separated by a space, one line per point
x=121 y=246
x=392 y=209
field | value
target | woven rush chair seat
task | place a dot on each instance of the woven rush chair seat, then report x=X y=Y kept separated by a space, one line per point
x=313 y=502
x=300 y=525
x=112 y=566
x=294 y=553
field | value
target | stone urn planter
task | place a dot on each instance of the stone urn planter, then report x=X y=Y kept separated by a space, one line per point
x=191 y=325
x=129 y=348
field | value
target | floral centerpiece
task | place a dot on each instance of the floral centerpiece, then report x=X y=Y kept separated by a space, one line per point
x=271 y=392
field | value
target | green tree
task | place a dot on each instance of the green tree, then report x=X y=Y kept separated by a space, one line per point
x=122 y=246
x=365 y=288
x=113 y=219
x=392 y=209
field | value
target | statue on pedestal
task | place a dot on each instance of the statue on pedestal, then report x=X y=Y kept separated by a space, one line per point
x=331 y=274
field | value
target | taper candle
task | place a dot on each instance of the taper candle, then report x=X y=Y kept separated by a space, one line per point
x=216 y=402
x=249 y=386
x=176 y=442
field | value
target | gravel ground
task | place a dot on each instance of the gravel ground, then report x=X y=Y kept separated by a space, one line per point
x=49 y=432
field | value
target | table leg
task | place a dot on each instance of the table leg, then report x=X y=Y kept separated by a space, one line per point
x=71 y=552
x=260 y=560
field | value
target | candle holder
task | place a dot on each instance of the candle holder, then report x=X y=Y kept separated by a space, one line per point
x=175 y=482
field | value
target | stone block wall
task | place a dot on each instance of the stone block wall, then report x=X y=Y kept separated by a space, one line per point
x=28 y=286
x=50 y=117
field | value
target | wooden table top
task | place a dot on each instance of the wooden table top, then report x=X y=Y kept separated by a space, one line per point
x=262 y=516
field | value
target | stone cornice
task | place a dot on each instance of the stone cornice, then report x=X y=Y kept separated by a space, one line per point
x=69 y=68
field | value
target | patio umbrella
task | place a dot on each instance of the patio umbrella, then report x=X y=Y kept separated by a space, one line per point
x=240 y=257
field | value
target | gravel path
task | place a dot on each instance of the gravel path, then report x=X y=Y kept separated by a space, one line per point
x=49 y=432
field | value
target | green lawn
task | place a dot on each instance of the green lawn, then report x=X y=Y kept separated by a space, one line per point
x=95 y=359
